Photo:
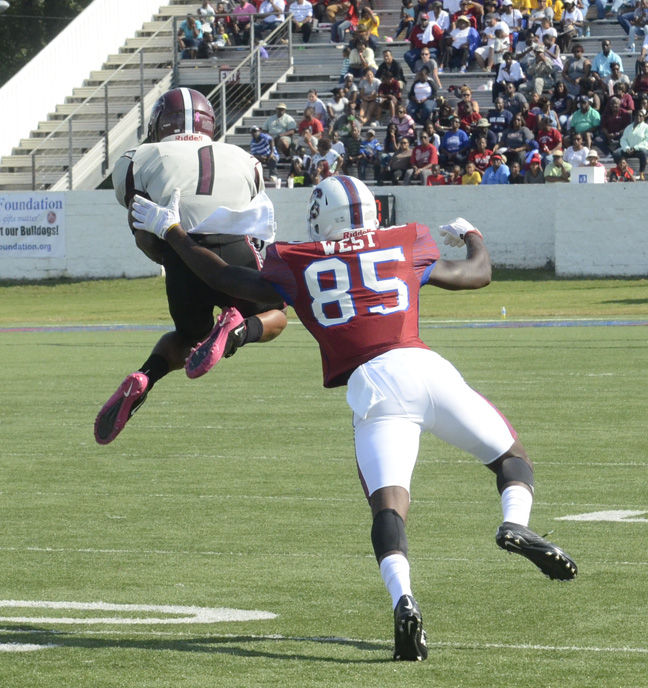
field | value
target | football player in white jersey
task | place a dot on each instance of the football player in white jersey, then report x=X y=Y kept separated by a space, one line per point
x=181 y=154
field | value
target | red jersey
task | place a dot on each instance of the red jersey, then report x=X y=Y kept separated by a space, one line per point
x=548 y=139
x=357 y=296
x=481 y=158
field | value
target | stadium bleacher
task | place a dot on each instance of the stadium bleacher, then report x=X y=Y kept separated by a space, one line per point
x=314 y=65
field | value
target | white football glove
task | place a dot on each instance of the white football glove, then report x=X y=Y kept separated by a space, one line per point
x=455 y=232
x=154 y=218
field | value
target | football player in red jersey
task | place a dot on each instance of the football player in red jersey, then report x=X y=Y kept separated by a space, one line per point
x=181 y=153
x=355 y=287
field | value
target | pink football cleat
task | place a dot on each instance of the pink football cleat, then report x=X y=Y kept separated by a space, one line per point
x=115 y=413
x=205 y=356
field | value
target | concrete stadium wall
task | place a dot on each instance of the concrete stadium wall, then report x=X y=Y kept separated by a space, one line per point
x=65 y=62
x=585 y=230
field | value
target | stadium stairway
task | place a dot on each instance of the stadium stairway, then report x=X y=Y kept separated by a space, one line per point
x=120 y=75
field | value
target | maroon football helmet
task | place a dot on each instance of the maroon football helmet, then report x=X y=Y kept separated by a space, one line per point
x=181 y=111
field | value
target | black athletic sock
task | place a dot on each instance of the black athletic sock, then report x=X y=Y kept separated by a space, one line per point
x=155 y=367
x=253 y=330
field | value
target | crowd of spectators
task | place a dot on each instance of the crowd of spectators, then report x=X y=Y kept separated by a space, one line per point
x=552 y=108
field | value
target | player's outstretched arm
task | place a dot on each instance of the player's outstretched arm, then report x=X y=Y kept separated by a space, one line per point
x=164 y=222
x=472 y=273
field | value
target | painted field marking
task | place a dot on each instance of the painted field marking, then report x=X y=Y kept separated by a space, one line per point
x=23 y=647
x=615 y=515
x=183 y=615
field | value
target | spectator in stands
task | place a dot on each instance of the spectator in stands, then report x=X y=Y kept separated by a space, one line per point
x=634 y=142
x=370 y=152
x=427 y=62
x=344 y=67
x=388 y=97
x=189 y=37
x=454 y=145
x=514 y=101
x=406 y=20
x=576 y=154
x=299 y=166
x=466 y=101
x=510 y=71
x=207 y=15
x=497 y=172
x=460 y=45
x=404 y=123
x=516 y=140
x=338 y=146
x=400 y=161
x=473 y=11
x=534 y=174
x=323 y=150
x=469 y=118
x=320 y=110
x=499 y=118
x=263 y=149
x=351 y=91
x=621 y=173
x=516 y=176
x=416 y=40
x=571 y=24
x=436 y=177
x=311 y=125
x=302 y=20
x=601 y=64
x=390 y=148
x=336 y=106
x=221 y=37
x=392 y=67
x=437 y=15
x=424 y=155
x=243 y=14
x=561 y=103
x=544 y=109
x=586 y=120
x=281 y=126
x=361 y=58
x=635 y=22
x=421 y=100
x=453 y=177
x=577 y=67
x=480 y=155
x=557 y=170
x=271 y=13
x=443 y=114
x=640 y=83
x=548 y=138
x=428 y=128
x=368 y=88
x=346 y=20
x=346 y=123
x=352 y=143
x=616 y=76
x=513 y=17
x=627 y=101
x=541 y=72
x=206 y=44
x=494 y=42
x=593 y=161
x=481 y=130
x=613 y=123
x=472 y=176
x=368 y=23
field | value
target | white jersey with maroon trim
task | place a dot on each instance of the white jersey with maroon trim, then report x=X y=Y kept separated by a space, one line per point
x=208 y=174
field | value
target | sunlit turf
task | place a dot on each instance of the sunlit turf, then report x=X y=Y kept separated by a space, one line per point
x=240 y=490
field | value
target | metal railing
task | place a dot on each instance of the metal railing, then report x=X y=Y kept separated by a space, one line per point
x=238 y=91
x=48 y=175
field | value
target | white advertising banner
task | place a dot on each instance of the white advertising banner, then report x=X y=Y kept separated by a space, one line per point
x=32 y=225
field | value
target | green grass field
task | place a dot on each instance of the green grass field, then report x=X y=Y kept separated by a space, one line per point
x=239 y=490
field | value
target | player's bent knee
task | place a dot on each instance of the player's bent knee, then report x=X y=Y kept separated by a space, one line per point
x=388 y=534
x=513 y=469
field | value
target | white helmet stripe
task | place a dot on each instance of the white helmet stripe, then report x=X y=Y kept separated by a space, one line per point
x=188 y=109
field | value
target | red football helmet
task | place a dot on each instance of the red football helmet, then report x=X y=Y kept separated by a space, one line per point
x=181 y=111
